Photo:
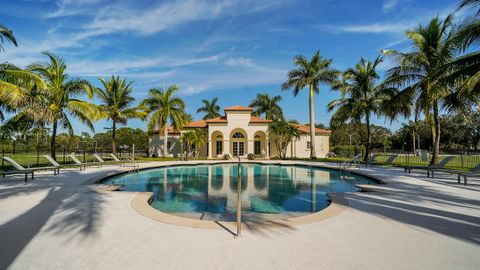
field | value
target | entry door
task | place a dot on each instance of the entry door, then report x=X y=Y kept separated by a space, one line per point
x=241 y=148
x=238 y=149
x=235 y=149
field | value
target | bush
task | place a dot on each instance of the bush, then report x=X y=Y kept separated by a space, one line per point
x=226 y=156
x=250 y=156
x=347 y=150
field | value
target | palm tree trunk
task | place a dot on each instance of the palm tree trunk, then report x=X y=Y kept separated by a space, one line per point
x=369 y=139
x=436 y=146
x=114 y=147
x=313 y=155
x=52 y=141
x=165 y=140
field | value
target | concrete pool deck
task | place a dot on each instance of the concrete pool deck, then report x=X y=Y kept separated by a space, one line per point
x=58 y=222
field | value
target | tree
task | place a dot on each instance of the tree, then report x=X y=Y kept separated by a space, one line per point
x=264 y=104
x=284 y=133
x=165 y=106
x=6 y=34
x=62 y=96
x=431 y=74
x=194 y=140
x=361 y=97
x=116 y=98
x=310 y=73
x=210 y=108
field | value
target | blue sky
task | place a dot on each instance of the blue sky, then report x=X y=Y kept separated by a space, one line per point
x=230 y=49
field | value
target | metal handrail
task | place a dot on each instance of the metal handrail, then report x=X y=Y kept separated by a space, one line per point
x=349 y=162
x=239 y=198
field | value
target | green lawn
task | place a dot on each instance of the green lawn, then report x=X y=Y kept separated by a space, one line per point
x=464 y=162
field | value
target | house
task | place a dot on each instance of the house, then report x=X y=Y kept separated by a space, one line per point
x=237 y=134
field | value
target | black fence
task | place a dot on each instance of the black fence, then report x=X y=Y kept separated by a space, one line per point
x=29 y=158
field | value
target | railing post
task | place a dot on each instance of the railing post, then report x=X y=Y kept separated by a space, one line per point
x=239 y=199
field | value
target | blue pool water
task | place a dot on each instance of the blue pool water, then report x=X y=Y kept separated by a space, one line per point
x=210 y=191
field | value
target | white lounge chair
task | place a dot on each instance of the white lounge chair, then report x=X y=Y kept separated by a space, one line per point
x=19 y=169
x=132 y=163
x=83 y=165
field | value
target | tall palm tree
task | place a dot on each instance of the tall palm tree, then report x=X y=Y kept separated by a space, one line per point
x=63 y=96
x=310 y=73
x=210 y=108
x=361 y=97
x=116 y=97
x=6 y=34
x=263 y=103
x=433 y=74
x=165 y=106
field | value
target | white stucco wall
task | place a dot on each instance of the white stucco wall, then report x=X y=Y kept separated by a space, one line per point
x=240 y=121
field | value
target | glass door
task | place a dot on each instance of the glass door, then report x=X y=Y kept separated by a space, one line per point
x=241 y=148
x=235 y=149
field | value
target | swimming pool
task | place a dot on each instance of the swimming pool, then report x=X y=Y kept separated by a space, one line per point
x=209 y=192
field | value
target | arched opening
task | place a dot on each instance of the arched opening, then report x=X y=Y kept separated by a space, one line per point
x=238 y=143
x=217 y=144
x=260 y=144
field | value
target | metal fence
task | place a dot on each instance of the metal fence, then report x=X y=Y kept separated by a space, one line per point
x=29 y=158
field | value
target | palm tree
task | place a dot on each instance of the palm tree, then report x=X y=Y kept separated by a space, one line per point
x=284 y=133
x=361 y=97
x=196 y=138
x=432 y=75
x=116 y=98
x=165 y=106
x=263 y=103
x=470 y=4
x=6 y=34
x=310 y=73
x=210 y=108
x=63 y=96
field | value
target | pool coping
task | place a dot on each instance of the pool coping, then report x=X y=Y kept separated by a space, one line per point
x=141 y=200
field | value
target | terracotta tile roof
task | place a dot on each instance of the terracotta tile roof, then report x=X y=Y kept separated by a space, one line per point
x=222 y=119
x=255 y=119
x=197 y=124
x=306 y=129
x=238 y=108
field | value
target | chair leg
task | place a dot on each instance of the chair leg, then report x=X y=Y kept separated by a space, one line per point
x=458 y=179
x=464 y=180
x=26 y=177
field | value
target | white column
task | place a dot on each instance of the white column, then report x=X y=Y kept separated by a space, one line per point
x=226 y=147
x=268 y=146
x=209 y=148
x=250 y=146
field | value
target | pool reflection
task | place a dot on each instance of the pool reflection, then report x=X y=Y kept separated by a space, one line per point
x=212 y=189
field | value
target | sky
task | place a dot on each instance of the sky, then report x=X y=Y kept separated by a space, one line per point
x=230 y=49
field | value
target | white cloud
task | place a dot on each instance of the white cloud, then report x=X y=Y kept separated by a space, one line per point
x=375 y=28
x=239 y=62
x=170 y=14
x=389 y=5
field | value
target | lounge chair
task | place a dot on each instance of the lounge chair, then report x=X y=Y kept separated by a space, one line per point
x=83 y=165
x=430 y=168
x=389 y=160
x=19 y=169
x=134 y=164
x=371 y=161
x=473 y=172
x=54 y=163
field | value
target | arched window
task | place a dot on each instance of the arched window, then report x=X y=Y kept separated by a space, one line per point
x=238 y=135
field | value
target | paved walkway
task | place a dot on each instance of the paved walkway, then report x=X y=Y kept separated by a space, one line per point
x=60 y=223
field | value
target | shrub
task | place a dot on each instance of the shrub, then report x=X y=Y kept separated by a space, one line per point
x=226 y=156
x=251 y=156
x=347 y=150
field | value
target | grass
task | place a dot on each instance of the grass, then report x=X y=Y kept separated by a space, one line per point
x=30 y=160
